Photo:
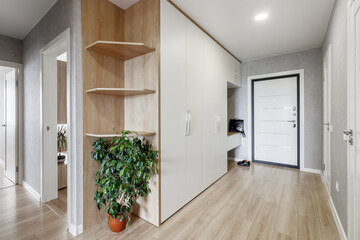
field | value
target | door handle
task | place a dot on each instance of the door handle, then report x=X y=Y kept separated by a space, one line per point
x=348 y=136
x=218 y=121
x=4 y=125
x=292 y=121
x=327 y=124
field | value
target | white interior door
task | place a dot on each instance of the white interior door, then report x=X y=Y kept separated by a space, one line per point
x=356 y=10
x=11 y=143
x=327 y=118
x=49 y=128
x=353 y=133
x=275 y=120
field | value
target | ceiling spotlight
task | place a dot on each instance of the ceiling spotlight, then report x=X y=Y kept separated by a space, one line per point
x=261 y=16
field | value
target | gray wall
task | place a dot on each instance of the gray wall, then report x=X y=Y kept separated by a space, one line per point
x=311 y=62
x=337 y=36
x=64 y=14
x=11 y=49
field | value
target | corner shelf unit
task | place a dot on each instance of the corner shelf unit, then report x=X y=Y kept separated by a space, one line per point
x=120 y=50
x=111 y=135
x=120 y=91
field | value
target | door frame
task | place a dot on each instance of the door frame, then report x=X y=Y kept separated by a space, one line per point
x=20 y=116
x=301 y=122
x=353 y=205
x=60 y=42
x=327 y=58
x=298 y=118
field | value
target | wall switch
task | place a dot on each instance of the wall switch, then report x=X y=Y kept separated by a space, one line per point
x=337 y=187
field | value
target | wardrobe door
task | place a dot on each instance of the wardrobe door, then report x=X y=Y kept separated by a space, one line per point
x=212 y=117
x=173 y=109
x=195 y=106
x=222 y=112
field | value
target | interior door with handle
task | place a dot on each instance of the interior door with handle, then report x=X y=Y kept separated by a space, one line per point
x=11 y=126
x=275 y=103
x=327 y=119
x=352 y=134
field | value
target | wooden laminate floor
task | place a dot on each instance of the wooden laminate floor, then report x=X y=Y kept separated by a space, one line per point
x=22 y=217
x=59 y=205
x=261 y=202
x=4 y=182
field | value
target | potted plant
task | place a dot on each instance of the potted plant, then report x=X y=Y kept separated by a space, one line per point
x=61 y=142
x=126 y=166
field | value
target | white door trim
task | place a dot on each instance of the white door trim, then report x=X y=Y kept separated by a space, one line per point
x=62 y=40
x=327 y=59
x=302 y=118
x=19 y=68
x=352 y=202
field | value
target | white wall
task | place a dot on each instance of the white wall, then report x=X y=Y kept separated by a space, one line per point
x=311 y=62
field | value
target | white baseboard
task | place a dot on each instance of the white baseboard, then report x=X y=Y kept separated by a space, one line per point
x=32 y=191
x=75 y=230
x=311 y=170
x=337 y=220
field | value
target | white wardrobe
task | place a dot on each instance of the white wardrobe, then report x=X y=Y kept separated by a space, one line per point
x=195 y=72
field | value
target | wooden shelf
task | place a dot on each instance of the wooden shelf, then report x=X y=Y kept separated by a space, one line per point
x=120 y=91
x=111 y=135
x=121 y=50
x=233 y=133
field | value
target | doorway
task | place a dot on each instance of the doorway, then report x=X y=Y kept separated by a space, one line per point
x=301 y=111
x=327 y=127
x=276 y=120
x=9 y=145
x=55 y=125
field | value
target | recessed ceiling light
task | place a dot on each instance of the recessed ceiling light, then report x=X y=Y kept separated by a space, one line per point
x=261 y=16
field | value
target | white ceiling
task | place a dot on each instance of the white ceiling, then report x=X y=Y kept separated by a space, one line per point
x=19 y=17
x=293 y=25
x=124 y=4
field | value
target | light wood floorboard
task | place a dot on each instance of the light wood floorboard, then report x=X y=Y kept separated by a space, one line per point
x=59 y=205
x=4 y=182
x=260 y=202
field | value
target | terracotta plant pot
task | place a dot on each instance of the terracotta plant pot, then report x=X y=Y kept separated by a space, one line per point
x=115 y=225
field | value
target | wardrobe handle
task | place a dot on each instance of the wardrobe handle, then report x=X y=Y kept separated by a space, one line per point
x=218 y=120
x=186 y=124
x=189 y=123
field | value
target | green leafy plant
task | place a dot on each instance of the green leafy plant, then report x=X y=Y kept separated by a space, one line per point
x=126 y=166
x=61 y=139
